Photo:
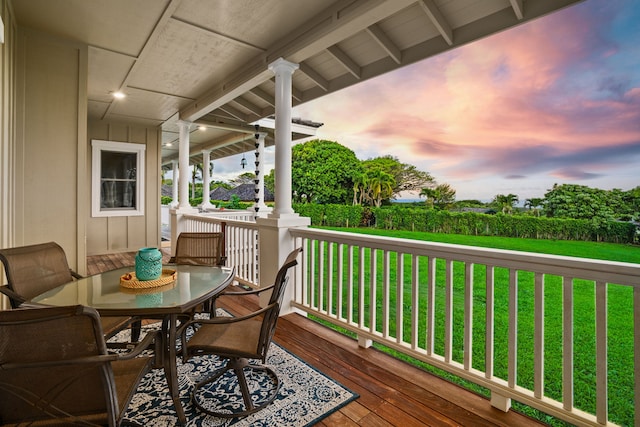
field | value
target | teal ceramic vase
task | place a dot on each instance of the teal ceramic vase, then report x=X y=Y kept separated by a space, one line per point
x=148 y=264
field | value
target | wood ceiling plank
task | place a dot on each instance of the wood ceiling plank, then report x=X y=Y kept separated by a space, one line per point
x=385 y=42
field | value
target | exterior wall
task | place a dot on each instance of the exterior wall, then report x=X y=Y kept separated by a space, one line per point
x=127 y=233
x=7 y=131
x=47 y=185
x=51 y=111
x=7 y=123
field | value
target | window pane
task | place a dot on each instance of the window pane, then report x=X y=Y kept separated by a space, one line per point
x=117 y=165
x=116 y=169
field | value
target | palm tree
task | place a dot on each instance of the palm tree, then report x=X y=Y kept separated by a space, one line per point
x=359 y=188
x=429 y=194
x=445 y=195
x=533 y=204
x=441 y=197
x=506 y=202
x=380 y=186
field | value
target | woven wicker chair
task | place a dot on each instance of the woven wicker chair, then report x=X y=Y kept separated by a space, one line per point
x=55 y=369
x=239 y=339
x=35 y=269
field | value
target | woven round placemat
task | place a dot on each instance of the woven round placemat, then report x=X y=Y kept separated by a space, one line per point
x=148 y=291
x=130 y=280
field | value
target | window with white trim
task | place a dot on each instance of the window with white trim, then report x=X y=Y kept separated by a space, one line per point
x=117 y=183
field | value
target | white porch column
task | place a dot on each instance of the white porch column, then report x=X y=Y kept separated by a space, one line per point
x=183 y=157
x=206 y=180
x=183 y=185
x=174 y=186
x=275 y=241
x=259 y=207
x=283 y=71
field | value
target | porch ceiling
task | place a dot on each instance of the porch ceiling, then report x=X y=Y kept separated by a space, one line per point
x=206 y=60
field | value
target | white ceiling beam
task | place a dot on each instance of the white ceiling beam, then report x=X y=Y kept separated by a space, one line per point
x=264 y=96
x=344 y=59
x=225 y=151
x=226 y=92
x=518 y=8
x=225 y=126
x=224 y=143
x=219 y=145
x=438 y=20
x=254 y=109
x=233 y=112
x=296 y=94
x=336 y=23
x=315 y=76
x=385 y=42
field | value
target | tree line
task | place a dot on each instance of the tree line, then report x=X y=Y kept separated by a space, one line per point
x=327 y=172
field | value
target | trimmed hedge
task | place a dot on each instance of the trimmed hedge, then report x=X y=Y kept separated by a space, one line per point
x=468 y=223
x=165 y=200
x=331 y=215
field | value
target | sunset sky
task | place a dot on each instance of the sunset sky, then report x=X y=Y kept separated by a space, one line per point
x=556 y=100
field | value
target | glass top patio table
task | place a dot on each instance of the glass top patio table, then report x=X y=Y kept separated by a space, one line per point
x=193 y=285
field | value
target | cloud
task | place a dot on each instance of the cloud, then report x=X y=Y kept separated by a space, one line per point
x=556 y=98
x=572 y=174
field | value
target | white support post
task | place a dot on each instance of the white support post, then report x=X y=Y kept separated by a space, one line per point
x=183 y=184
x=183 y=158
x=275 y=240
x=283 y=71
x=174 y=187
x=206 y=180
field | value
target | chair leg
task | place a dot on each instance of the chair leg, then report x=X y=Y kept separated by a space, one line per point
x=237 y=366
x=242 y=380
x=136 y=327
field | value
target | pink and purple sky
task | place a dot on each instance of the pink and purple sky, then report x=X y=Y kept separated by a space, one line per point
x=556 y=100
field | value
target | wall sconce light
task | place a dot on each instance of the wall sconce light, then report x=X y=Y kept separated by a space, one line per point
x=243 y=162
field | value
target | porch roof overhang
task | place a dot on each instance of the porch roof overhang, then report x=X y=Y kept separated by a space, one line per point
x=184 y=60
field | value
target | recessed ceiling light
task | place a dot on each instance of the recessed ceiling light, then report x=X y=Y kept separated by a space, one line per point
x=202 y=127
x=118 y=95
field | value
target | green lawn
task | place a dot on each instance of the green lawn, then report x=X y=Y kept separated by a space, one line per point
x=620 y=319
x=593 y=250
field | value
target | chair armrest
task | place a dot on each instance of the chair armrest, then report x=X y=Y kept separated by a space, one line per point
x=87 y=360
x=17 y=298
x=137 y=349
x=240 y=293
x=224 y=319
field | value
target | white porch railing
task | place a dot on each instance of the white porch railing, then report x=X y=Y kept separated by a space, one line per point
x=443 y=304
x=465 y=310
x=241 y=241
x=237 y=215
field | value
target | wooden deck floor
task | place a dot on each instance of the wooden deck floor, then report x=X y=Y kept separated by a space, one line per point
x=392 y=392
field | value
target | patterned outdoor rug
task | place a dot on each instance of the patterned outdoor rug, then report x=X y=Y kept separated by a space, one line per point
x=305 y=397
